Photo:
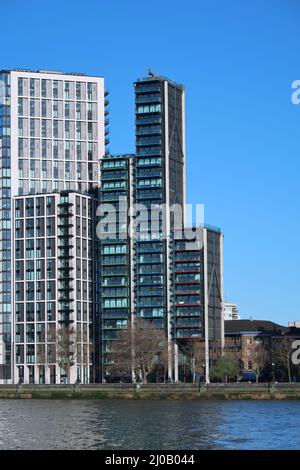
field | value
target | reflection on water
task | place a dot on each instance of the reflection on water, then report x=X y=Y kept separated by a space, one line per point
x=126 y=424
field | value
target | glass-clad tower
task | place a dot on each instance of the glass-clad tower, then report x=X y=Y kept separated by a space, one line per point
x=159 y=179
x=116 y=278
x=197 y=295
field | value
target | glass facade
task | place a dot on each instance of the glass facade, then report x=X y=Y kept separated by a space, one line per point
x=159 y=128
x=115 y=258
x=196 y=312
x=5 y=226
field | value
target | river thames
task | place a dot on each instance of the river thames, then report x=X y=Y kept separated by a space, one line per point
x=130 y=424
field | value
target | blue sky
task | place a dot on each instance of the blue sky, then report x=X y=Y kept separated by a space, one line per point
x=237 y=60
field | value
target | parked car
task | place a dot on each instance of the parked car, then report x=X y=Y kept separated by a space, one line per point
x=247 y=376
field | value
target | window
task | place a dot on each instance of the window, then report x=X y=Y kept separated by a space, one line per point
x=67 y=90
x=30 y=359
x=78 y=90
x=30 y=270
x=40 y=311
x=155 y=108
x=44 y=88
x=30 y=248
x=30 y=333
x=29 y=228
x=29 y=290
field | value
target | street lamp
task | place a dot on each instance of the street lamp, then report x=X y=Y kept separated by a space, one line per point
x=273 y=373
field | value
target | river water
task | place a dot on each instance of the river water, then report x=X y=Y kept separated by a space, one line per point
x=128 y=424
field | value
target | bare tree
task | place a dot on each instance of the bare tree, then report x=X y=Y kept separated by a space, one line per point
x=138 y=349
x=259 y=356
x=281 y=353
x=66 y=348
x=120 y=353
x=194 y=351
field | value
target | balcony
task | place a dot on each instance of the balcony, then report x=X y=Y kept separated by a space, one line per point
x=64 y=309
x=148 y=88
x=65 y=245
x=66 y=288
x=66 y=319
x=153 y=119
x=65 y=223
x=65 y=255
x=64 y=234
x=148 y=131
x=145 y=142
x=148 y=98
x=65 y=204
x=150 y=152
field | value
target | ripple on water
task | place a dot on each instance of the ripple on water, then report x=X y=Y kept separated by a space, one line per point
x=121 y=424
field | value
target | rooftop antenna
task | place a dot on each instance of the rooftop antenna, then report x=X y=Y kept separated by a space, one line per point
x=151 y=73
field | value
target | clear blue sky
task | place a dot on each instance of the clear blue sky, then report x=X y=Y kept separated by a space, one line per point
x=237 y=60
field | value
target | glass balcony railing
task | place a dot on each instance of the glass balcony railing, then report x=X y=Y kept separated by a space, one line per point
x=147 y=98
x=148 y=152
x=148 y=88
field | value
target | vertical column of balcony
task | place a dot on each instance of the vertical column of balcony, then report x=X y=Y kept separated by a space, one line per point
x=188 y=290
x=106 y=121
x=65 y=267
x=115 y=255
x=150 y=187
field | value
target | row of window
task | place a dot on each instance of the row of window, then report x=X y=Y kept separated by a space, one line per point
x=154 y=108
x=151 y=182
x=45 y=311
x=114 y=249
x=38 y=271
x=115 y=303
x=36 y=148
x=40 y=290
x=35 y=248
x=56 y=109
x=114 y=164
x=36 y=87
x=57 y=129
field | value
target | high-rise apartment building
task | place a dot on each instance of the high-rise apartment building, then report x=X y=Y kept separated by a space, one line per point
x=54 y=278
x=116 y=260
x=159 y=180
x=197 y=294
x=52 y=134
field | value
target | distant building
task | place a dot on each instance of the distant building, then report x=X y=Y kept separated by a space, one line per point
x=294 y=324
x=240 y=335
x=231 y=311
